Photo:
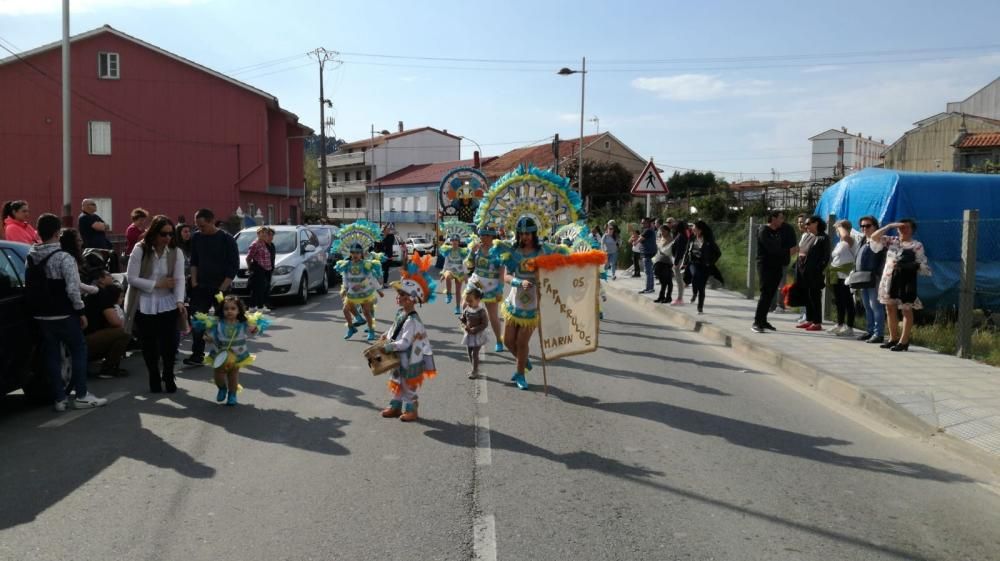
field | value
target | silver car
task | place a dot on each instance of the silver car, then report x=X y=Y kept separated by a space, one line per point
x=299 y=263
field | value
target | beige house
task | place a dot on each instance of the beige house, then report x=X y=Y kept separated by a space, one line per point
x=930 y=146
x=602 y=147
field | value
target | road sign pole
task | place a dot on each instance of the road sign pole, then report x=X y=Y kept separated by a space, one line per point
x=649 y=205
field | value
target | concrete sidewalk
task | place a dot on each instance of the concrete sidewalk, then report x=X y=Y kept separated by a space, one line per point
x=955 y=401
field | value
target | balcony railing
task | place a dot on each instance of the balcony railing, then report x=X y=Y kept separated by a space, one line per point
x=409 y=216
x=347 y=187
x=346 y=214
x=342 y=160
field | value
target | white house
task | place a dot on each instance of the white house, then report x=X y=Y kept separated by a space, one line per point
x=350 y=170
x=837 y=153
x=983 y=103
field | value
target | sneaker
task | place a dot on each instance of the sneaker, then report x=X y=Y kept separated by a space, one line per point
x=194 y=360
x=837 y=329
x=371 y=335
x=447 y=299
x=757 y=328
x=231 y=399
x=498 y=348
x=846 y=332
x=266 y=309
x=351 y=330
x=458 y=311
x=60 y=406
x=876 y=340
x=89 y=401
x=803 y=324
x=767 y=325
x=528 y=366
x=520 y=382
x=814 y=327
x=693 y=298
x=220 y=396
x=677 y=302
x=865 y=336
x=473 y=374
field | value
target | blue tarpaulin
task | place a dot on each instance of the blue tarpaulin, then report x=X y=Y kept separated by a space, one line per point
x=936 y=201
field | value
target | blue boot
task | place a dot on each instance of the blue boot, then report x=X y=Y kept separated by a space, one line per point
x=457 y=310
x=221 y=396
x=351 y=330
x=498 y=348
x=231 y=400
x=371 y=334
x=528 y=366
x=447 y=299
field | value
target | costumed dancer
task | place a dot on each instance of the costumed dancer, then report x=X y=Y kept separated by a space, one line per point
x=489 y=273
x=362 y=274
x=408 y=339
x=454 y=268
x=474 y=323
x=227 y=336
x=533 y=203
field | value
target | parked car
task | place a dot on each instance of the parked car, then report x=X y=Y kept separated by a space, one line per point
x=326 y=236
x=300 y=264
x=20 y=352
x=421 y=246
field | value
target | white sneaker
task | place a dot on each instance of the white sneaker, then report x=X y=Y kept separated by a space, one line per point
x=251 y=309
x=89 y=401
x=837 y=330
x=846 y=332
x=60 y=406
x=266 y=310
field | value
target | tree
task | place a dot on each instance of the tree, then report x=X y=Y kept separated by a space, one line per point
x=311 y=168
x=607 y=184
x=694 y=184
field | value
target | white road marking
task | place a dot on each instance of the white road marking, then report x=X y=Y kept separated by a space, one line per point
x=484 y=455
x=74 y=414
x=484 y=538
x=481 y=390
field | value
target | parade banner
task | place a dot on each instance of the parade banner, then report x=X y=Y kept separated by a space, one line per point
x=568 y=292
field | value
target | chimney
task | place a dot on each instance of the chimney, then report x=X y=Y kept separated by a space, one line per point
x=401 y=126
x=475 y=159
x=444 y=131
x=869 y=137
x=844 y=129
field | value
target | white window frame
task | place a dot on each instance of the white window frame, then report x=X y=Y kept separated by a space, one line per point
x=98 y=129
x=114 y=68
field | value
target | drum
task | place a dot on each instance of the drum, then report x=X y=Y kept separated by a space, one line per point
x=220 y=359
x=380 y=361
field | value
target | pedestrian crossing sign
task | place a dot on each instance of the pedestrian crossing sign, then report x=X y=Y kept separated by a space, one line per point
x=649 y=182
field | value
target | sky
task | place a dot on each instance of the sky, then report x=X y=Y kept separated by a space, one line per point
x=732 y=87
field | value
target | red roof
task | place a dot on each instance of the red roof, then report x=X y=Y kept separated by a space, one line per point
x=540 y=156
x=422 y=174
x=381 y=138
x=980 y=140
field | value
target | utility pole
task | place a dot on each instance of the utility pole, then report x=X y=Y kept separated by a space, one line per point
x=67 y=129
x=323 y=56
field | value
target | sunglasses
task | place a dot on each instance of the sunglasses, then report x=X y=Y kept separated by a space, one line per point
x=867 y=225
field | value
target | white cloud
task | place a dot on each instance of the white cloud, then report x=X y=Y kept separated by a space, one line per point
x=700 y=87
x=821 y=68
x=43 y=7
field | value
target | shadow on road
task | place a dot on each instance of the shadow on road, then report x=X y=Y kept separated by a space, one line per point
x=651 y=378
x=276 y=384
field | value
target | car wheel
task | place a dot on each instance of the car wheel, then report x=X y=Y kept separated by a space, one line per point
x=303 y=295
x=324 y=287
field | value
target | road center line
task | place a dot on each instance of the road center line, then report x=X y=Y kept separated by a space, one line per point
x=484 y=455
x=484 y=538
x=481 y=390
x=74 y=414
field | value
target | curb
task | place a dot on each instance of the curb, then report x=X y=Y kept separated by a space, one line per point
x=820 y=380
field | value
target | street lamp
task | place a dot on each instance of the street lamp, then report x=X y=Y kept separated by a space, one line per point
x=478 y=147
x=583 y=85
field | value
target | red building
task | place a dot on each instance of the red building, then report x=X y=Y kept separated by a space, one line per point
x=149 y=128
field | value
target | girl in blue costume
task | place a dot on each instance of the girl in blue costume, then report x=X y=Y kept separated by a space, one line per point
x=362 y=281
x=228 y=334
x=520 y=309
x=489 y=272
x=454 y=269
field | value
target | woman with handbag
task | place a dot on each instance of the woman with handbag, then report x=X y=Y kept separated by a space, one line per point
x=905 y=259
x=814 y=256
x=702 y=255
x=867 y=273
x=841 y=264
x=663 y=265
x=155 y=301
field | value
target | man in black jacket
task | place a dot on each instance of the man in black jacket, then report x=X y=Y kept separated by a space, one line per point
x=775 y=243
x=215 y=259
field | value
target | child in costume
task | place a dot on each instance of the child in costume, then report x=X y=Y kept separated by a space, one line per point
x=227 y=334
x=474 y=323
x=362 y=281
x=454 y=268
x=489 y=272
x=408 y=339
x=520 y=309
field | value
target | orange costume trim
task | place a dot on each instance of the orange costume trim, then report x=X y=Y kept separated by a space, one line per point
x=558 y=260
x=413 y=383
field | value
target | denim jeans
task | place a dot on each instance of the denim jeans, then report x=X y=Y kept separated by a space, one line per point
x=874 y=311
x=612 y=264
x=647 y=265
x=67 y=332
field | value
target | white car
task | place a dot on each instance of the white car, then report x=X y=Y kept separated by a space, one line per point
x=420 y=245
x=300 y=263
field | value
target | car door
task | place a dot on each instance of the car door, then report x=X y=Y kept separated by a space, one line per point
x=317 y=259
x=16 y=329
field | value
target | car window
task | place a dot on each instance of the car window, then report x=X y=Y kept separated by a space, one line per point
x=10 y=280
x=18 y=260
x=313 y=240
x=284 y=241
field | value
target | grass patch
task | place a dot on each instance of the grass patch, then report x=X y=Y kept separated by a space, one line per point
x=943 y=339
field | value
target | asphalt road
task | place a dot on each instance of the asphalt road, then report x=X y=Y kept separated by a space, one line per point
x=659 y=446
